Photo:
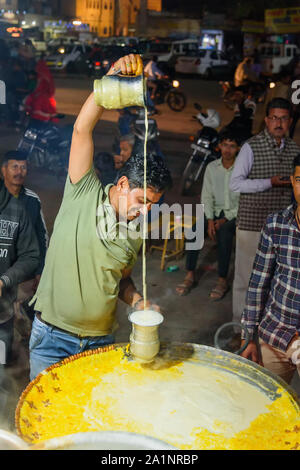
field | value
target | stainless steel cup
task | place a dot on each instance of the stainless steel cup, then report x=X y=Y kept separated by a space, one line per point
x=144 y=338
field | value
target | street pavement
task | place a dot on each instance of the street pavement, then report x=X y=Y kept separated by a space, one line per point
x=193 y=318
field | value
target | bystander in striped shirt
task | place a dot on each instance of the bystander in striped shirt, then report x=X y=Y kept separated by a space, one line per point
x=273 y=298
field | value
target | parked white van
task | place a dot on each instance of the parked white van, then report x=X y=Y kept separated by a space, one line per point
x=275 y=56
x=178 y=48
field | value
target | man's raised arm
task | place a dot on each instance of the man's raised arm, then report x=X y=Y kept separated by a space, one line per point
x=82 y=148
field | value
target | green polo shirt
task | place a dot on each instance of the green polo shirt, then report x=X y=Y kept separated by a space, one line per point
x=88 y=251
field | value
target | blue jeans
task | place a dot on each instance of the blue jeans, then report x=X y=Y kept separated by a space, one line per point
x=49 y=345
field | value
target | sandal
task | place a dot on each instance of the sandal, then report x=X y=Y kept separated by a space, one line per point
x=186 y=287
x=219 y=291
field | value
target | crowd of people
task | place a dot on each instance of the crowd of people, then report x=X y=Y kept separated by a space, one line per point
x=251 y=195
x=250 y=77
x=29 y=85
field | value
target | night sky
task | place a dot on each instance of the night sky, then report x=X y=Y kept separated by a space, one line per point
x=240 y=8
x=176 y=4
x=170 y=4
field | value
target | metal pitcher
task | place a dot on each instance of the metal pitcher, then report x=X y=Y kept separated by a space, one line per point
x=120 y=91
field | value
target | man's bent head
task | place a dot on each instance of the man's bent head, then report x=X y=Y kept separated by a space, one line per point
x=130 y=185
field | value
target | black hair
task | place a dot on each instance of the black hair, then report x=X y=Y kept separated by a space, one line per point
x=105 y=167
x=280 y=103
x=158 y=176
x=228 y=134
x=296 y=161
x=14 y=155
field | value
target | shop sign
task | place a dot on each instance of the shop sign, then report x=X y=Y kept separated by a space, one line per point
x=282 y=20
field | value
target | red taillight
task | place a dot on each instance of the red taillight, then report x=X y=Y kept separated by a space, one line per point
x=97 y=64
x=198 y=62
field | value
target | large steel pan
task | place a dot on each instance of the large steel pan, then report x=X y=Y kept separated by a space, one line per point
x=172 y=356
x=9 y=441
x=109 y=440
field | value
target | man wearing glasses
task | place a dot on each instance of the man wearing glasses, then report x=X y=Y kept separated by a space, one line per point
x=262 y=177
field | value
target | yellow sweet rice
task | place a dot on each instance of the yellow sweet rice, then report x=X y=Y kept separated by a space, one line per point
x=55 y=405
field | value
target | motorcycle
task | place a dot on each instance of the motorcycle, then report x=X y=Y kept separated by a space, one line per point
x=167 y=92
x=47 y=145
x=132 y=121
x=257 y=91
x=139 y=131
x=204 y=148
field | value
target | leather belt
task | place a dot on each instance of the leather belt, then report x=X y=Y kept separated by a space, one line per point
x=39 y=317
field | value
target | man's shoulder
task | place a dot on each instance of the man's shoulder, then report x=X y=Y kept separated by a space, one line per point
x=260 y=137
x=31 y=195
x=280 y=218
x=292 y=144
x=28 y=192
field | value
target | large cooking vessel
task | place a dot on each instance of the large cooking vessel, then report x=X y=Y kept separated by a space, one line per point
x=9 y=441
x=110 y=440
x=103 y=390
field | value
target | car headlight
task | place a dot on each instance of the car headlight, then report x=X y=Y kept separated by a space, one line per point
x=175 y=84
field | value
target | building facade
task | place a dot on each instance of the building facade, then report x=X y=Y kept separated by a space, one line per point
x=9 y=4
x=99 y=14
x=112 y=17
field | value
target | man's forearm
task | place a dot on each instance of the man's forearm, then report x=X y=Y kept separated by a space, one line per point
x=128 y=292
x=89 y=116
x=82 y=147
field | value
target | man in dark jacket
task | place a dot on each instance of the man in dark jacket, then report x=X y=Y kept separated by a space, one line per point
x=14 y=171
x=19 y=258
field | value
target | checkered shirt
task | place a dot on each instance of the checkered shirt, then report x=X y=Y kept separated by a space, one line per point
x=273 y=297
